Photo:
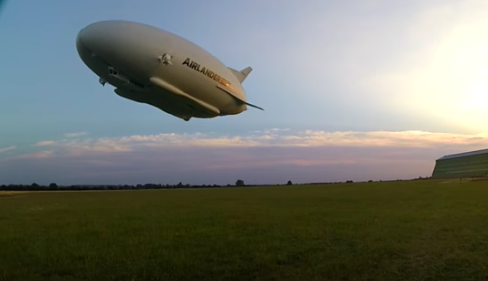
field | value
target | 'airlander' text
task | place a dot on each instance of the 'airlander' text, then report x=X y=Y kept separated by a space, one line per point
x=196 y=66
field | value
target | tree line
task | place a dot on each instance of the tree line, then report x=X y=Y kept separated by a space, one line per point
x=55 y=187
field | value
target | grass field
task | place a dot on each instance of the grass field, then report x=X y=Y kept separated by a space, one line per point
x=409 y=230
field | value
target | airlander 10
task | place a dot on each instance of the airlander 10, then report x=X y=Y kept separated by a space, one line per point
x=149 y=65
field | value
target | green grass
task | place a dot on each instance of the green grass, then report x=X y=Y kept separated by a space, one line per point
x=411 y=230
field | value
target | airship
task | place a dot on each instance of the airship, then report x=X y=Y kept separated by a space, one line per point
x=149 y=65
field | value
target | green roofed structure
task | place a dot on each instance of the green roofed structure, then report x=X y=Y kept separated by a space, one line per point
x=472 y=164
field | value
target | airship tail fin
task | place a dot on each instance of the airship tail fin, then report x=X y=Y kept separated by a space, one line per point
x=241 y=75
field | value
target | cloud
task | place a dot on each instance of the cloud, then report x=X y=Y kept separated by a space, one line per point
x=269 y=156
x=75 y=135
x=39 y=154
x=267 y=138
x=45 y=143
x=7 y=148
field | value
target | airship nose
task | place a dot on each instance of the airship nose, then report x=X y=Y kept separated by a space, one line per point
x=90 y=40
x=80 y=47
x=114 y=43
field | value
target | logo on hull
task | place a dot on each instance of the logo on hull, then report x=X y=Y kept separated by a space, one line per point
x=206 y=71
x=166 y=59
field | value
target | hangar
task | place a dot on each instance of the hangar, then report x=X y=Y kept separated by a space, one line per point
x=471 y=164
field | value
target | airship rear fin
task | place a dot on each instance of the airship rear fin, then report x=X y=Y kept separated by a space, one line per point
x=241 y=75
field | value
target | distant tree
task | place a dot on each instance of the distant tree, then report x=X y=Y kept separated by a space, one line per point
x=34 y=185
x=53 y=186
x=289 y=183
x=239 y=183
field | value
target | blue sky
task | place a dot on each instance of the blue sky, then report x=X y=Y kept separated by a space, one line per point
x=399 y=83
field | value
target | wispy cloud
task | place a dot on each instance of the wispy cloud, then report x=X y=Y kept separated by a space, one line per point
x=75 y=135
x=269 y=156
x=45 y=143
x=7 y=148
x=269 y=138
x=39 y=154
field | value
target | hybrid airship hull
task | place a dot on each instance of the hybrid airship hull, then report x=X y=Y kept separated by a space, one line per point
x=149 y=65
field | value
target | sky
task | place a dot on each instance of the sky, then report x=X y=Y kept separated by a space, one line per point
x=352 y=90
